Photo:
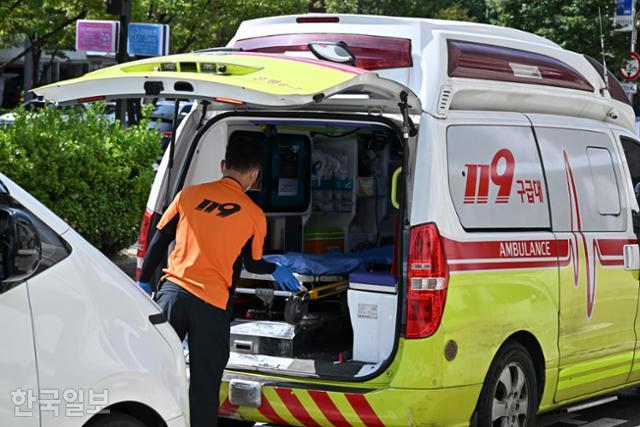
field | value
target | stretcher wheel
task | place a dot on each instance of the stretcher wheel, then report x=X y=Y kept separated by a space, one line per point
x=296 y=308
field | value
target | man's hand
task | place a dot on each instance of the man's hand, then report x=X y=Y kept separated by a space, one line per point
x=145 y=286
x=285 y=278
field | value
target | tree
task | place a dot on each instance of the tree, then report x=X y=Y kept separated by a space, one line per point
x=443 y=9
x=573 y=24
x=200 y=24
x=47 y=25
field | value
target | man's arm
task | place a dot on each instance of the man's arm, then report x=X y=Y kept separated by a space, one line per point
x=259 y=266
x=252 y=254
x=158 y=248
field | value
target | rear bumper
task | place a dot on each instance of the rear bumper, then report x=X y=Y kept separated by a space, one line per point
x=303 y=404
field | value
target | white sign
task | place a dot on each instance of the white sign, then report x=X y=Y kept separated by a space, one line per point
x=629 y=88
x=623 y=19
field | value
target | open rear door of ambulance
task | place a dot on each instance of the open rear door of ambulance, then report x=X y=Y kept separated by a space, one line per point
x=239 y=80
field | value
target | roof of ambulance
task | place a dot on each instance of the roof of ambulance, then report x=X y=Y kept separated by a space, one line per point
x=375 y=24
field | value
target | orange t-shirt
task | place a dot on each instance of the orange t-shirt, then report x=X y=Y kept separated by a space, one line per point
x=216 y=220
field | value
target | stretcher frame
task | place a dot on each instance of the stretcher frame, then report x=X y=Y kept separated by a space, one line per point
x=330 y=285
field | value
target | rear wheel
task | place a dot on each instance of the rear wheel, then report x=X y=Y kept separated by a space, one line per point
x=509 y=396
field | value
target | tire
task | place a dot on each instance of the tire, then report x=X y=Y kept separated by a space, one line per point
x=114 y=420
x=512 y=384
x=229 y=422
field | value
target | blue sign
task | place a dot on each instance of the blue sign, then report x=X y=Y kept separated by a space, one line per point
x=624 y=7
x=623 y=19
x=148 y=39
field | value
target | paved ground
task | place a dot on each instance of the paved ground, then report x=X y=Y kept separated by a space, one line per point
x=126 y=260
x=623 y=412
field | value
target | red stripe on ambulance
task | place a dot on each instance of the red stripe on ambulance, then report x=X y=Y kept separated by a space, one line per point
x=294 y=406
x=328 y=408
x=364 y=410
x=270 y=414
x=227 y=409
x=522 y=254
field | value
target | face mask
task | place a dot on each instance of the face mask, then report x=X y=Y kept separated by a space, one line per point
x=253 y=180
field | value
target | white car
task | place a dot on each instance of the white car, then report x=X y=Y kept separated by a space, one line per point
x=81 y=344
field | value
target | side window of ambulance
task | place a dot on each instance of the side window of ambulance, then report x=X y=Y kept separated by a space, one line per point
x=604 y=181
x=584 y=180
x=632 y=154
x=495 y=177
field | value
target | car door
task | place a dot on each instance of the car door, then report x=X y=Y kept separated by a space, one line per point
x=18 y=368
x=240 y=81
x=631 y=149
x=591 y=221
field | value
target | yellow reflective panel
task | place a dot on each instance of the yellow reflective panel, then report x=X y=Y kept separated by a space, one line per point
x=270 y=74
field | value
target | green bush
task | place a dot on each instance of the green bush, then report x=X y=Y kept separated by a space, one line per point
x=94 y=174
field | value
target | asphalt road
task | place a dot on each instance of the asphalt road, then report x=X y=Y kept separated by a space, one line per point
x=623 y=412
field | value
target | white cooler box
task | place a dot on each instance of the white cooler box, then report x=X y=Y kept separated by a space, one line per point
x=373 y=305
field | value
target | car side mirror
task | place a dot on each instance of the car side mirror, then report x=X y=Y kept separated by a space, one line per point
x=21 y=249
x=335 y=52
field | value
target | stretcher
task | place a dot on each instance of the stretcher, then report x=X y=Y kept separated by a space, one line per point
x=313 y=288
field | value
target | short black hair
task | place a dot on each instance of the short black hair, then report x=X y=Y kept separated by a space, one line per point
x=244 y=151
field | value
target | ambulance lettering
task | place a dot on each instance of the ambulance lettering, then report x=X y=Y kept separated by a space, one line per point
x=501 y=174
x=540 y=248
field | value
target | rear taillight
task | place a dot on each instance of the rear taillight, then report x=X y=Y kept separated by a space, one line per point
x=91 y=99
x=427 y=279
x=167 y=133
x=491 y=62
x=615 y=89
x=143 y=240
x=371 y=52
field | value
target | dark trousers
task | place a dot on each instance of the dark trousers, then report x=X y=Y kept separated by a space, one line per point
x=208 y=330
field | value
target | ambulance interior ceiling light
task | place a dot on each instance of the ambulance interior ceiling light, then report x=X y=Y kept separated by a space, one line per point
x=490 y=62
x=371 y=52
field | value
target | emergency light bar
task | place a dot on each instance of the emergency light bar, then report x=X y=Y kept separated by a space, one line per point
x=490 y=62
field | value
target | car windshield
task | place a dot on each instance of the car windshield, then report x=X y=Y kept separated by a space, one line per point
x=34 y=105
x=163 y=111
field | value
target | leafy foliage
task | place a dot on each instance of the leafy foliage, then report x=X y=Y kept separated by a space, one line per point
x=199 y=24
x=573 y=24
x=442 y=9
x=92 y=173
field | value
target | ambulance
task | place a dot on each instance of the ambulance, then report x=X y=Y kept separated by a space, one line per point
x=458 y=199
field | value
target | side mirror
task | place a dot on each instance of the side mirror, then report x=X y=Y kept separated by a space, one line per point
x=21 y=249
x=334 y=52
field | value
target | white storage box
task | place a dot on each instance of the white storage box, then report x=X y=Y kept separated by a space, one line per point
x=373 y=305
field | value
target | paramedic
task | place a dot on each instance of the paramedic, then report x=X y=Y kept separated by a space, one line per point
x=217 y=228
